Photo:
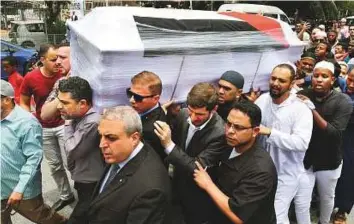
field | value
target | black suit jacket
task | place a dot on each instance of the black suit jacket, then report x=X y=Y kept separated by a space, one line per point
x=207 y=146
x=149 y=135
x=139 y=193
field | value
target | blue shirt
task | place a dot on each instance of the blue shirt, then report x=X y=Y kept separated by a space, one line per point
x=21 y=154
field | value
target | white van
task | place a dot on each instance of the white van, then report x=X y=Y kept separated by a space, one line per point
x=265 y=10
x=28 y=34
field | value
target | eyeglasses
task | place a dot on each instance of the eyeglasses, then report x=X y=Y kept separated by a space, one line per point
x=236 y=127
x=137 y=97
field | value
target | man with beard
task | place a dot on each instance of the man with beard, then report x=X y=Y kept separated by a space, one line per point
x=331 y=111
x=84 y=159
x=304 y=69
x=49 y=109
x=230 y=91
x=246 y=180
x=38 y=83
x=286 y=129
x=198 y=135
x=344 y=191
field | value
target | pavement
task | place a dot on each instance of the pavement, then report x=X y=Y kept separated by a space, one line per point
x=51 y=195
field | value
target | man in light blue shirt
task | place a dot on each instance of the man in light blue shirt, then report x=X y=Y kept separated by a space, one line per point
x=21 y=155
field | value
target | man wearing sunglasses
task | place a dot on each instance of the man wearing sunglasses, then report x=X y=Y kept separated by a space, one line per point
x=39 y=83
x=144 y=95
x=286 y=128
x=197 y=135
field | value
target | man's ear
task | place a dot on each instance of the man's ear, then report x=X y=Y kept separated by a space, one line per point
x=239 y=92
x=255 y=131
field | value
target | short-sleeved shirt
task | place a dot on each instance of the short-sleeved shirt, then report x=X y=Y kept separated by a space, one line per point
x=15 y=79
x=250 y=181
x=38 y=85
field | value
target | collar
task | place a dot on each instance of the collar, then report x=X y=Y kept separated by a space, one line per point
x=146 y=112
x=234 y=154
x=132 y=155
x=12 y=115
x=201 y=126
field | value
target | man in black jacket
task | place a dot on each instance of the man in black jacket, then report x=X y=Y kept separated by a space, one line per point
x=144 y=95
x=198 y=135
x=246 y=180
x=135 y=187
x=331 y=112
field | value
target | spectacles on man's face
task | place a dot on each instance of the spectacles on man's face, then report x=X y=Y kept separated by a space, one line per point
x=236 y=127
x=137 y=97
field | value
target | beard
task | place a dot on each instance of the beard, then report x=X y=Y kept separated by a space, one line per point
x=275 y=95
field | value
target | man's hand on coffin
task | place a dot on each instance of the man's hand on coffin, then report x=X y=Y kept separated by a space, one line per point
x=263 y=130
x=171 y=107
x=252 y=95
x=163 y=131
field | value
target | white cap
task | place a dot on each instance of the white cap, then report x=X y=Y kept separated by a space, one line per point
x=322 y=27
x=343 y=20
x=326 y=65
x=7 y=89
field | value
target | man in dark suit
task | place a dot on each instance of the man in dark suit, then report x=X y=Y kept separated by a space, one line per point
x=135 y=187
x=144 y=95
x=198 y=135
x=246 y=181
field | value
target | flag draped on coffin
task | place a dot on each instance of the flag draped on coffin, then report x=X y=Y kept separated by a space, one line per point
x=184 y=47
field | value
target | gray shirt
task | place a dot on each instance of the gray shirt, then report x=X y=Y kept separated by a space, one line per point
x=85 y=161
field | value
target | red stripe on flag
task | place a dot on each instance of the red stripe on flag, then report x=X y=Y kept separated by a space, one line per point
x=266 y=25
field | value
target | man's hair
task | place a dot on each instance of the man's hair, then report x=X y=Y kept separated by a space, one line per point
x=126 y=114
x=11 y=60
x=289 y=67
x=150 y=79
x=78 y=87
x=251 y=110
x=332 y=31
x=63 y=44
x=344 y=46
x=203 y=95
x=44 y=48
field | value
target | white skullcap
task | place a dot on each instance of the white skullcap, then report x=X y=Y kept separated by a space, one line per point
x=292 y=65
x=326 y=65
x=343 y=20
x=322 y=27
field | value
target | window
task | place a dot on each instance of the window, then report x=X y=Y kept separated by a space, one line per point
x=284 y=18
x=275 y=16
x=35 y=27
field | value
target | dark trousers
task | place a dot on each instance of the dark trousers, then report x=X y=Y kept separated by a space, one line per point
x=84 y=193
x=345 y=187
x=33 y=209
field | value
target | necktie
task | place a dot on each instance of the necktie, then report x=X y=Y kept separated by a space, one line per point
x=112 y=174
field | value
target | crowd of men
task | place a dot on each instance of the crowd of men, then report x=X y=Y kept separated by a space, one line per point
x=226 y=157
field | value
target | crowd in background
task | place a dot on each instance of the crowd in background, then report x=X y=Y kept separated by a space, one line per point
x=224 y=157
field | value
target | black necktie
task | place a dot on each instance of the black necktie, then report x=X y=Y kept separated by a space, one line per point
x=112 y=174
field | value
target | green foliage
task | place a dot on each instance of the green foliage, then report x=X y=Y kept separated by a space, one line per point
x=57 y=27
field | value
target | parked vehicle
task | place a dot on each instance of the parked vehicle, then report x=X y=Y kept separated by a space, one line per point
x=350 y=20
x=25 y=57
x=28 y=34
x=265 y=10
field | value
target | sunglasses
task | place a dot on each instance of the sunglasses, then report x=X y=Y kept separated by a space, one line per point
x=137 y=97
